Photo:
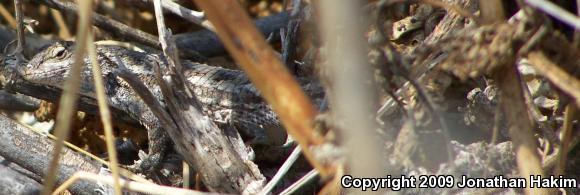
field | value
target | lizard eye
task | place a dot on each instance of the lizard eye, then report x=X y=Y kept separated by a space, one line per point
x=59 y=52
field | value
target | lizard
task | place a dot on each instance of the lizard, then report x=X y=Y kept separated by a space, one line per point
x=424 y=17
x=226 y=96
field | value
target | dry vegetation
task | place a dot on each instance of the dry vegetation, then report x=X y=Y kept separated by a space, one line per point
x=428 y=87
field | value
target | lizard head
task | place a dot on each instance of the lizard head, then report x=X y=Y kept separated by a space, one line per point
x=51 y=65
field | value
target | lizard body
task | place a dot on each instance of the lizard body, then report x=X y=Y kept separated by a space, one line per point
x=226 y=96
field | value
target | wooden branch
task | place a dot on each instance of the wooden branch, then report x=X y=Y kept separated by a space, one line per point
x=208 y=44
x=248 y=47
x=15 y=182
x=31 y=151
x=17 y=102
x=20 y=170
x=202 y=144
x=85 y=103
x=206 y=147
x=192 y=45
x=118 y=29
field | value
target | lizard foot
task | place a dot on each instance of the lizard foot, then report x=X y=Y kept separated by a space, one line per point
x=147 y=164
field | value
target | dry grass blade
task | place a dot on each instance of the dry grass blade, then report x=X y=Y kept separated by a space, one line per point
x=7 y=16
x=283 y=170
x=566 y=139
x=300 y=183
x=104 y=113
x=277 y=86
x=186 y=174
x=553 y=10
x=131 y=185
x=64 y=33
x=70 y=94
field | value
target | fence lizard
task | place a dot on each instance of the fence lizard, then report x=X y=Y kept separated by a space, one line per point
x=424 y=18
x=227 y=96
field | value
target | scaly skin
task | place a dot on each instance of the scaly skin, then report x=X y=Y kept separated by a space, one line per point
x=226 y=96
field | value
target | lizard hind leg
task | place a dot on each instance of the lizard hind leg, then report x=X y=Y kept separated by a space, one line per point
x=158 y=143
x=128 y=100
x=150 y=163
